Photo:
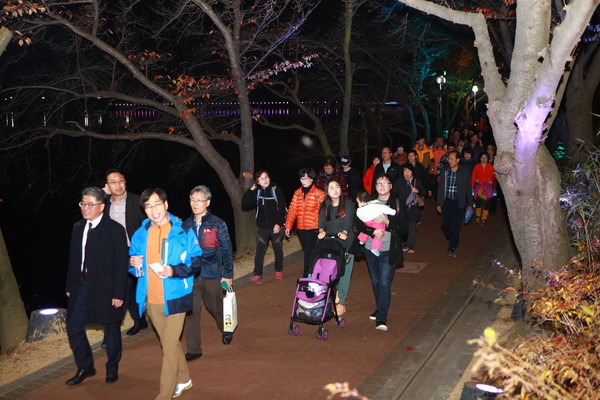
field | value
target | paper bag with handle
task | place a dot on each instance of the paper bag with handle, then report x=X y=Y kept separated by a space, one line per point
x=230 y=317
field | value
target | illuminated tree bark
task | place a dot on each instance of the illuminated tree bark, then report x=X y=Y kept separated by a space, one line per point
x=518 y=110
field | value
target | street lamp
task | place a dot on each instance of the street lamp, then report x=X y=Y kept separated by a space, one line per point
x=475 y=90
x=441 y=80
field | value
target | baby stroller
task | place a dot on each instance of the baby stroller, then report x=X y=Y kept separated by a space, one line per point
x=314 y=302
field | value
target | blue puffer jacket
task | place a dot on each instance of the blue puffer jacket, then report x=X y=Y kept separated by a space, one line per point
x=183 y=255
x=213 y=236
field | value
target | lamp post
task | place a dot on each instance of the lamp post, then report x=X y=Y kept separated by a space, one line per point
x=441 y=80
x=475 y=90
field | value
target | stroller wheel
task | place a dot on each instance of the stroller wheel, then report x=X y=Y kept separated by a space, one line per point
x=342 y=323
x=290 y=329
x=296 y=330
x=318 y=334
x=325 y=334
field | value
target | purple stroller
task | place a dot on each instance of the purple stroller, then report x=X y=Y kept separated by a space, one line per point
x=314 y=302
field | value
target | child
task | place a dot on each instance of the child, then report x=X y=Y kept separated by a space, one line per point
x=367 y=212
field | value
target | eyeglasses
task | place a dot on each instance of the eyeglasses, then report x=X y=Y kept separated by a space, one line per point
x=87 y=205
x=151 y=206
x=193 y=201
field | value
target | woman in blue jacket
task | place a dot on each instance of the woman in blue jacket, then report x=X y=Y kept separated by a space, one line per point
x=165 y=258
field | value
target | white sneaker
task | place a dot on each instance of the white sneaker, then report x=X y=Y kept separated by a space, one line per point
x=381 y=326
x=181 y=387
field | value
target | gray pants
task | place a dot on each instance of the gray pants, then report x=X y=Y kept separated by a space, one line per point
x=209 y=292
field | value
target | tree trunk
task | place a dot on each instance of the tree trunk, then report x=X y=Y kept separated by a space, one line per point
x=536 y=219
x=582 y=86
x=345 y=122
x=245 y=229
x=13 y=319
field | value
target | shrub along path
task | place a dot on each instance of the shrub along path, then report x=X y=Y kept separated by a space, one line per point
x=264 y=362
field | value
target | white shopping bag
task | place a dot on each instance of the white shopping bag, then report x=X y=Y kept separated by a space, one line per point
x=230 y=318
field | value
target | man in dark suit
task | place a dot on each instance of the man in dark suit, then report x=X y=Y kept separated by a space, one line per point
x=125 y=208
x=386 y=166
x=453 y=197
x=96 y=282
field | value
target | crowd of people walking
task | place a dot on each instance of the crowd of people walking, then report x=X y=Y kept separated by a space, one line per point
x=178 y=266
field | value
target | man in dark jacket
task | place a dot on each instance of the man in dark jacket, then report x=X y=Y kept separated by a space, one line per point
x=353 y=178
x=96 y=284
x=386 y=166
x=216 y=268
x=383 y=266
x=454 y=196
x=125 y=208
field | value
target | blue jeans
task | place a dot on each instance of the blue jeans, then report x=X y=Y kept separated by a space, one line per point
x=382 y=274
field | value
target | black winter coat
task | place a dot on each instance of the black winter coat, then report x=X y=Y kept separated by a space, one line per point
x=270 y=209
x=107 y=269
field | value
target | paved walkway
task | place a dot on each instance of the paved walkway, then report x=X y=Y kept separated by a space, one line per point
x=435 y=309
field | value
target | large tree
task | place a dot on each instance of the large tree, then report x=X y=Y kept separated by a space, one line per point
x=518 y=108
x=13 y=319
x=170 y=57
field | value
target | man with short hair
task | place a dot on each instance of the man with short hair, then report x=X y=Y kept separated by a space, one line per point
x=353 y=178
x=165 y=259
x=96 y=284
x=454 y=196
x=424 y=155
x=124 y=207
x=216 y=268
x=383 y=266
x=386 y=166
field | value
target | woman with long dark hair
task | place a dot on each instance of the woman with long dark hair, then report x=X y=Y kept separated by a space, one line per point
x=335 y=219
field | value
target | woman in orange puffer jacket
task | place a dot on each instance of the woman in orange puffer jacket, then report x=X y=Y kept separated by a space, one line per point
x=304 y=210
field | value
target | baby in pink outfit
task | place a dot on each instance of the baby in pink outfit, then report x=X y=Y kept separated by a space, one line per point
x=367 y=212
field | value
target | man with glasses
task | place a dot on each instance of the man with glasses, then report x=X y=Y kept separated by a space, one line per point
x=383 y=266
x=386 y=166
x=124 y=207
x=165 y=259
x=96 y=284
x=216 y=268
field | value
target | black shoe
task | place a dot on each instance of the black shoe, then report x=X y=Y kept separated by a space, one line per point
x=227 y=338
x=192 y=356
x=80 y=376
x=373 y=315
x=133 y=330
x=103 y=345
x=111 y=377
x=143 y=323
